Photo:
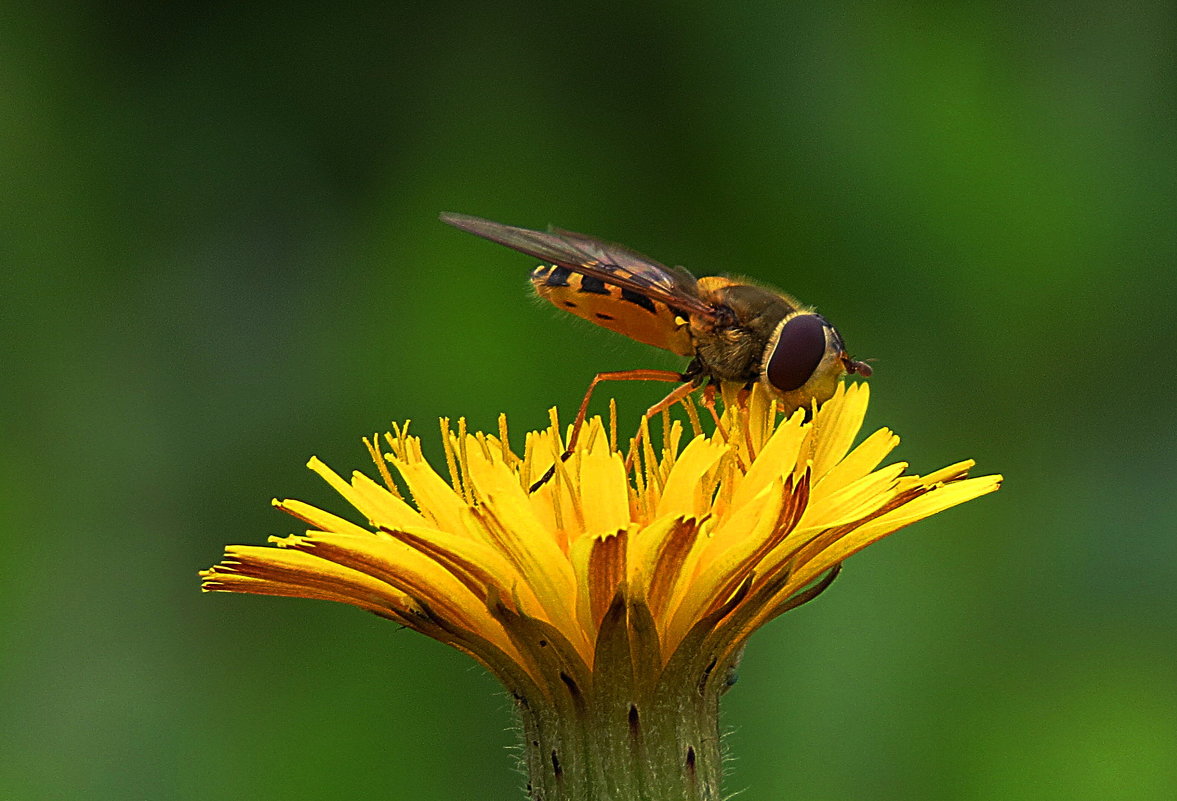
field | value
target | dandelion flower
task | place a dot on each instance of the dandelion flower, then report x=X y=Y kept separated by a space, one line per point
x=613 y=604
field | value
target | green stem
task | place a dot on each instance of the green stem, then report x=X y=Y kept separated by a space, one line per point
x=620 y=741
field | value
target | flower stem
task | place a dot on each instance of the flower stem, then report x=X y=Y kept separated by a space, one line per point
x=636 y=734
x=661 y=749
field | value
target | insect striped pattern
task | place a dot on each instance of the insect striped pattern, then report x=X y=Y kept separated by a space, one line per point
x=617 y=308
x=734 y=330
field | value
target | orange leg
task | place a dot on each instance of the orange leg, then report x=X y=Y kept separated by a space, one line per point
x=709 y=405
x=622 y=375
x=742 y=399
x=675 y=396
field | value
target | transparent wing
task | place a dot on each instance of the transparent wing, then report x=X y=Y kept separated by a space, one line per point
x=595 y=258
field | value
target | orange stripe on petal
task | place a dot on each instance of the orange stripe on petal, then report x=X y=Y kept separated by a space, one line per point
x=298 y=574
x=657 y=558
x=411 y=572
x=606 y=571
x=250 y=585
x=926 y=505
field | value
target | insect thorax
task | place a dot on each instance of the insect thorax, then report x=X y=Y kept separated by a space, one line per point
x=733 y=351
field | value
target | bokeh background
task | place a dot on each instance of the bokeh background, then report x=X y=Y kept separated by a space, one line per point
x=219 y=255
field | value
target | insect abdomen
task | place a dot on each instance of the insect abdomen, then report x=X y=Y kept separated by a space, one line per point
x=622 y=310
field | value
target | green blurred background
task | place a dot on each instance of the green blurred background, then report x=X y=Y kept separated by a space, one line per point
x=219 y=254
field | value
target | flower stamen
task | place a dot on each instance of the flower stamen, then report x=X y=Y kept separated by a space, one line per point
x=373 y=446
x=689 y=548
x=693 y=415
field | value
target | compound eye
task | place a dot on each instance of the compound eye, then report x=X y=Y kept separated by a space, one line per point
x=799 y=349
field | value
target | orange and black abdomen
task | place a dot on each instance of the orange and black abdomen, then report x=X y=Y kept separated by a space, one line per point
x=622 y=310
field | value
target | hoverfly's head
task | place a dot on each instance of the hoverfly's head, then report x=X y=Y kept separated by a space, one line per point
x=804 y=359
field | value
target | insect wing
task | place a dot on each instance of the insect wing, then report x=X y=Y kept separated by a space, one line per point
x=596 y=259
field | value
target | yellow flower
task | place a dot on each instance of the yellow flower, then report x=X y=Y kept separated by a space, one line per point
x=691 y=551
x=612 y=602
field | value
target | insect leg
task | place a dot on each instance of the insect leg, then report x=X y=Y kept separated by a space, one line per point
x=674 y=397
x=663 y=405
x=709 y=404
x=622 y=375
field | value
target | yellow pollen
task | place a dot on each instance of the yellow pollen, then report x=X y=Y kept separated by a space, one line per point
x=505 y=441
x=373 y=446
x=693 y=414
x=451 y=461
x=464 y=462
x=699 y=542
x=613 y=424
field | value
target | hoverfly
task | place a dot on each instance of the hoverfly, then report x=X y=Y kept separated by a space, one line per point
x=733 y=330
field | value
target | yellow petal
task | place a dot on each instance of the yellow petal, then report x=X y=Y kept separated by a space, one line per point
x=684 y=493
x=510 y=523
x=477 y=564
x=928 y=504
x=411 y=572
x=436 y=499
x=835 y=426
x=950 y=473
x=776 y=459
x=325 y=521
x=380 y=506
x=604 y=492
x=725 y=559
x=859 y=462
x=851 y=502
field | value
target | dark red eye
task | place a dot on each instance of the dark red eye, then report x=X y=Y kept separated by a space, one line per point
x=799 y=349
